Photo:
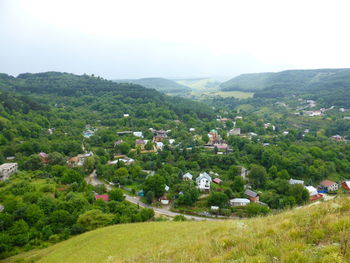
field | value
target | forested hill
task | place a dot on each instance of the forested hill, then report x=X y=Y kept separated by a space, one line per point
x=98 y=92
x=160 y=84
x=330 y=86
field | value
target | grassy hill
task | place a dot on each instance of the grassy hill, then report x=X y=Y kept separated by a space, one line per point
x=317 y=233
x=246 y=82
x=160 y=84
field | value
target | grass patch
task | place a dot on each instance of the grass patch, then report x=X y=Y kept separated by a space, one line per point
x=319 y=233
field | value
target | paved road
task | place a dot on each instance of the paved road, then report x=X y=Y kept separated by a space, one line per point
x=93 y=180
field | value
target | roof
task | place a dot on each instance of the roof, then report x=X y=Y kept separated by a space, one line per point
x=187 y=175
x=217 y=180
x=203 y=175
x=239 y=200
x=327 y=183
x=250 y=193
x=294 y=181
x=347 y=183
x=102 y=197
x=140 y=142
x=312 y=190
x=7 y=165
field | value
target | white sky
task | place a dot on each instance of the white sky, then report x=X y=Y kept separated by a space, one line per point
x=148 y=38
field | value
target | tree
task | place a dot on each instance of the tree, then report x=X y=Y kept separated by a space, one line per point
x=238 y=184
x=56 y=158
x=93 y=219
x=155 y=183
x=19 y=233
x=149 y=197
x=257 y=176
x=218 y=199
x=116 y=195
x=149 y=145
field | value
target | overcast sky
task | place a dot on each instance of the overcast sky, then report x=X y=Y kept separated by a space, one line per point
x=179 y=38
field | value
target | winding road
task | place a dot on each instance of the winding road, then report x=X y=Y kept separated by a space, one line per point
x=93 y=180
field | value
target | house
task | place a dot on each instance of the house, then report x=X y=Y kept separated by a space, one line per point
x=252 y=196
x=337 y=138
x=222 y=147
x=166 y=188
x=234 y=131
x=102 y=197
x=329 y=186
x=160 y=135
x=239 y=202
x=238 y=118
x=214 y=137
x=285 y=132
x=140 y=143
x=164 y=200
x=346 y=185
x=312 y=190
x=214 y=208
x=44 y=157
x=203 y=182
x=159 y=146
x=74 y=161
x=294 y=181
x=138 y=134
x=192 y=129
x=187 y=177
x=171 y=141
x=126 y=160
x=7 y=169
x=217 y=181
x=126 y=115
x=118 y=142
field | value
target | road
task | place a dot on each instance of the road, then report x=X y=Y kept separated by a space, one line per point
x=93 y=180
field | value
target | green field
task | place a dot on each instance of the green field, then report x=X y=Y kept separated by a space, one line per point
x=316 y=233
x=235 y=94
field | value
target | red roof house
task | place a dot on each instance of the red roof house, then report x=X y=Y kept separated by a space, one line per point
x=329 y=185
x=217 y=180
x=102 y=197
x=346 y=185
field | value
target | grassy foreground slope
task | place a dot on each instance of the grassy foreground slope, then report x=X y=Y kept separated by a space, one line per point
x=318 y=233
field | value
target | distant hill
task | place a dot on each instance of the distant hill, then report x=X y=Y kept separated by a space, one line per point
x=330 y=86
x=199 y=83
x=317 y=233
x=160 y=84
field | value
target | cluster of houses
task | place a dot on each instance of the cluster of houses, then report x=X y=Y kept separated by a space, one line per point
x=78 y=160
x=215 y=141
x=326 y=186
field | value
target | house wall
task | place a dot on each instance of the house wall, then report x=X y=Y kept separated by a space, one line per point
x=345 y=186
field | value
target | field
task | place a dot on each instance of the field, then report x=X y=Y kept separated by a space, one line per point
x=235 y=94
x=317 y=233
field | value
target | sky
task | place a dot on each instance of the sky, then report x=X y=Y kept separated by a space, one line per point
x=174 y=39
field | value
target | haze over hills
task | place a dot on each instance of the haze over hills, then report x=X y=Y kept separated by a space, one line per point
x=328 y=85
x=160 y=84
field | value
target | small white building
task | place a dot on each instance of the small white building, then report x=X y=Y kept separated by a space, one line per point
x=239 y=202
x=294 y=181
x=203 y=181
x=192 y=129
x=159 y=146
x=138 y=134
x=312 y=190
x=234 y=131
x=187 y=177
x=7 y=169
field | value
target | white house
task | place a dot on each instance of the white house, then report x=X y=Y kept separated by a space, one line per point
x=187 y=177
x=7 y=169
x=294 y=181
x=312 y=190
x=159 y=146
x=138 y=134
x=192 y=129
x=203 y=181
x=239 y=201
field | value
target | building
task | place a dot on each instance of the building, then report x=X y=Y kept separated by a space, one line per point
x=346 y=185
x=312 y=190
x=102 y=197
x=329 y=186
x=217 y=181
x=7 y=169
x=138 y=134
x=294 y=181
x=239 y=202
x=252 y=196
x=159 y=146
x=203 y=182
x=337 y=138
x=234 y=131
x=141 y=144
x=44 y=157
x=187 y=177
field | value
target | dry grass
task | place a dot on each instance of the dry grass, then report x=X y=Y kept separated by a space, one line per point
x=319 y=233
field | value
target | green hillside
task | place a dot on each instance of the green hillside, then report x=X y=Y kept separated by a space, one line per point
x=329 y=86
x=318 y=233
x=160 y=84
